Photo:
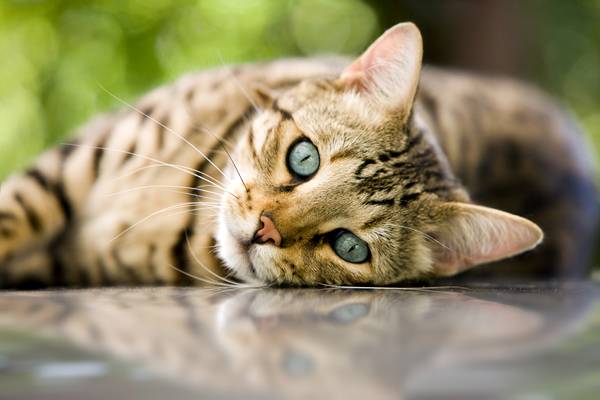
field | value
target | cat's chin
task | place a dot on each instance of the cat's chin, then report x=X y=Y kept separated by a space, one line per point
x=234 y=255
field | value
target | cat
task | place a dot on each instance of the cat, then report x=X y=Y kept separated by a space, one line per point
x=375 y=171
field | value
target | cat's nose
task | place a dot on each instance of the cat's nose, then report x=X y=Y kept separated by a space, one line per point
x=267 y=232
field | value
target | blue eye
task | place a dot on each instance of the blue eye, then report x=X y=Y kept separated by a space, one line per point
x=303 y=159
x=351 y=248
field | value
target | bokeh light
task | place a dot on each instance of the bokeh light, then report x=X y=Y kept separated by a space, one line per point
x=58 y=54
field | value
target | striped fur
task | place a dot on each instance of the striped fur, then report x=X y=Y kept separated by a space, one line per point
x=148 y=195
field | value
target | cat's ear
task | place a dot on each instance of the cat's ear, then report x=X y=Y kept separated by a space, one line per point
x=390 y=68
x=467 y=235
x=262 y=95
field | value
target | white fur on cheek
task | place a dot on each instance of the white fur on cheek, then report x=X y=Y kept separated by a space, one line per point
x=264 y=260
x=232 y=230
x=241 y=260
x=251 y=264
x=232 y=253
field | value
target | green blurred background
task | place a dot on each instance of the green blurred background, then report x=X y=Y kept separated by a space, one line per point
x=56 y=54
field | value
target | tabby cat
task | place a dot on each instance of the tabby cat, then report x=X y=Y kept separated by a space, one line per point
x=371 y=172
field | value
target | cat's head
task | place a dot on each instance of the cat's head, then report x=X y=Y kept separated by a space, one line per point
x=345 y=185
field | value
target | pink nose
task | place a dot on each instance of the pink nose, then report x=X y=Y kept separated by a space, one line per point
x=267 y=232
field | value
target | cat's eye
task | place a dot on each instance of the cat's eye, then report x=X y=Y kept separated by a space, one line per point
x=303 y=159
x=350 y=247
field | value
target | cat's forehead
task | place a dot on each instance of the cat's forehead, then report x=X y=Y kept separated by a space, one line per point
x=334 y=117
x=307 y=90
x=322 y=100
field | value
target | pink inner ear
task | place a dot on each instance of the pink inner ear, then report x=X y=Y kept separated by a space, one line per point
x=388 y=71
x=478 y=235
x=380 y=52
x=449 y=263
x=353 y=74
x=452 y=262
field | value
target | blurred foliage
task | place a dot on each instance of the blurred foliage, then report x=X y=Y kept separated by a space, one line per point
x=59 y=54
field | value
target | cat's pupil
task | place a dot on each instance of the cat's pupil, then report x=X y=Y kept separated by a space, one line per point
x=303 y=159
x=351 y=248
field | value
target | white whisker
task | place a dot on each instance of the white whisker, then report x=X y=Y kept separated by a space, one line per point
x=416 y=289
x=161 y=211
x=198 y=278
x=228 y=155
x=191 y=189
x=206 y=179
x=428 y=237
x=169 y=129
x=211 y=282
x=205 y=267
x=239 y=84
x=181 y=168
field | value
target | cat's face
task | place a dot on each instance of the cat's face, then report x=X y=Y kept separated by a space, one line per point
x=351 y=193
x=343 y=185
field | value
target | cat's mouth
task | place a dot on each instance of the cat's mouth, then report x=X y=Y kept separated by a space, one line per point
x=235 y=254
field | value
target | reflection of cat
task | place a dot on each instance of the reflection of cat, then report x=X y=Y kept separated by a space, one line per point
x=298 y=343
x=355 y=175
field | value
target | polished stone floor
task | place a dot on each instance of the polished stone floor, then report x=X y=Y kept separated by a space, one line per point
x=525 y=342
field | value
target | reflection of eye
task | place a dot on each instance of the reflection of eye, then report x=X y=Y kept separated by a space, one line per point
x=303 y=159
x=297 y=364
x=350 y=247
x=349 y=312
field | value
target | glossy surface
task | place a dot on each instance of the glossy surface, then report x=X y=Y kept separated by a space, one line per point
x=529 y=342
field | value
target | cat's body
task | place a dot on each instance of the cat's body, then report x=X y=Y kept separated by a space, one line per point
x=202 y=107
x=85 y=214
x=515 y=149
